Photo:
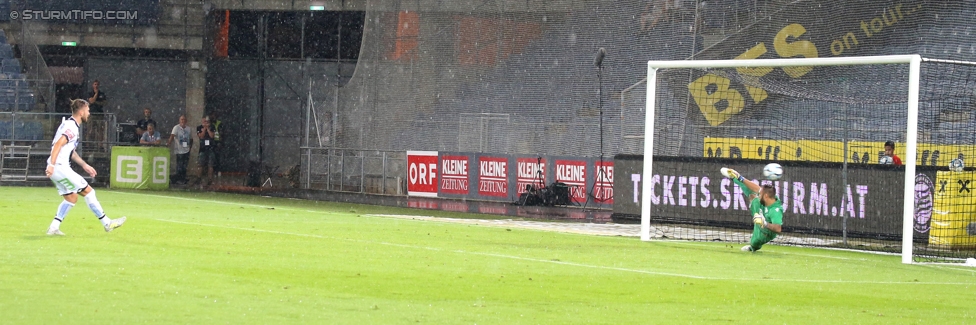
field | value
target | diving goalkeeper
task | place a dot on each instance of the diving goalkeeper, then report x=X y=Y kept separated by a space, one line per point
x=767 y=210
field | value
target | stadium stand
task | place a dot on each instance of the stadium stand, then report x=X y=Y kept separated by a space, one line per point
x=15 y=96
x=21 y=130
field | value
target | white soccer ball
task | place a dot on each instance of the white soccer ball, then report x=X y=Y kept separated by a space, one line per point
x=773 y=171
x=886 y=160
x=956 y=165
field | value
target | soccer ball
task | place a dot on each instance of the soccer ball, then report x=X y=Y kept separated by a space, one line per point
x=886 y=160
x=773 y=171
x=956 y=165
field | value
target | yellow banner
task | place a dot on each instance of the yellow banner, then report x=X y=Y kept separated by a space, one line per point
x=830 y=151
x=953 y=210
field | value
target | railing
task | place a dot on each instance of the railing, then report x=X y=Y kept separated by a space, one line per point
x=31 y=134
x=37 y=130
x=100 y=133
x=354 y=170
x=40 y=79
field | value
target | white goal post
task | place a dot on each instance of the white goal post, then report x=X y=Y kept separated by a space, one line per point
x=914 y=62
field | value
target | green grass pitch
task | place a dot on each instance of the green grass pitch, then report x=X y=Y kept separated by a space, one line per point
x=206 y=258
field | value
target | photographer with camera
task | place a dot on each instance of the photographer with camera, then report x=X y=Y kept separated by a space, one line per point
x=205 y=157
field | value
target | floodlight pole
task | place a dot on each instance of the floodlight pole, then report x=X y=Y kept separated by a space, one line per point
x=600 y=169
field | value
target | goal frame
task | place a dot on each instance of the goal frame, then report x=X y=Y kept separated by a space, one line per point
x=911 y=138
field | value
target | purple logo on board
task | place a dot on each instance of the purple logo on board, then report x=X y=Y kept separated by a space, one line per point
x=924 y=200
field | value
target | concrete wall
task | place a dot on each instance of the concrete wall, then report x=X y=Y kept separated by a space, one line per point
x=168 y=87
x=332 y=5
x=134 y=84
x=426 y=5
x=235 y=91
x=180 y=27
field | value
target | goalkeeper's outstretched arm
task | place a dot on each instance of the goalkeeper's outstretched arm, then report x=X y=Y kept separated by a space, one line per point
x=748 y=186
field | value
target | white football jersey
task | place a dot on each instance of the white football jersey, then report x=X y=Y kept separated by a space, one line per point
x=68 y=129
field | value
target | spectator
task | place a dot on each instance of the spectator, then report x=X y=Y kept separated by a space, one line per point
x=181 y=132
x=889 y=157
x=206 y=155
x=151 y=136
x=96 y=129
x=141 y=125
x=654 y=13
x=97 y=99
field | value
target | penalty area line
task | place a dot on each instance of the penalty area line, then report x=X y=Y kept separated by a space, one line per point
x=521 y=258
x=224 y=202
x=216 y=201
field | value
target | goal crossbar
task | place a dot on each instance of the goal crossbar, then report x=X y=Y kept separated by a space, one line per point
x=914 y=61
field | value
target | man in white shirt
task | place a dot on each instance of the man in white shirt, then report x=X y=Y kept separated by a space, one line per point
x=68 y=182
x=183 y=135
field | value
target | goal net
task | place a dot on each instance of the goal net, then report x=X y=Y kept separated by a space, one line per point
x=827 y=122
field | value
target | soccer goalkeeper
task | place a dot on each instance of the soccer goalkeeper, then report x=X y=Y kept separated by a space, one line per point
x=767 y=210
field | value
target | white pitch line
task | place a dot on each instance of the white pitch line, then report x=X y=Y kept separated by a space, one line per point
x=691 y=276
x=777 y=252
x=949 y=267
x=215 y=201
x=520 y=226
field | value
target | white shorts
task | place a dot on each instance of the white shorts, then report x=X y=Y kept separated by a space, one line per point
x=67 y=180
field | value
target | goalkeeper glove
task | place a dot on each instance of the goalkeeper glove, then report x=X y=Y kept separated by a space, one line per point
x=759 y=220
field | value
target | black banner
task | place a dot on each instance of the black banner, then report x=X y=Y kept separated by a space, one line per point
x=813 y=195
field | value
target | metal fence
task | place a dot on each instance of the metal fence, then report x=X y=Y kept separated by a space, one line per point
x=354 y=170
x=25 y=139
x=40 y=79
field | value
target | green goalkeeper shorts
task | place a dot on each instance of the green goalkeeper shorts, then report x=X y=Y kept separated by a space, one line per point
x=760 y=237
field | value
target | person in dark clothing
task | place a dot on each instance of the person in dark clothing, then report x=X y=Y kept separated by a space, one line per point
x=205 y=133
x=97 y=99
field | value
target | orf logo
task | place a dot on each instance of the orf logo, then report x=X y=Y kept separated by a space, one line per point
x=924 y=198
x=130 y=169
x=422 y=173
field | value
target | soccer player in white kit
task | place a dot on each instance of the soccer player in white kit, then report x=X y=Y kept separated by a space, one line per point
x=68 y=182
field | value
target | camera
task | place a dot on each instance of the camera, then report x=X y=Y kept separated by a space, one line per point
x=555 y=194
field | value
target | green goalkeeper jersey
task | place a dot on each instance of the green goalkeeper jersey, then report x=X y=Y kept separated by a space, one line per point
x=773 y=213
